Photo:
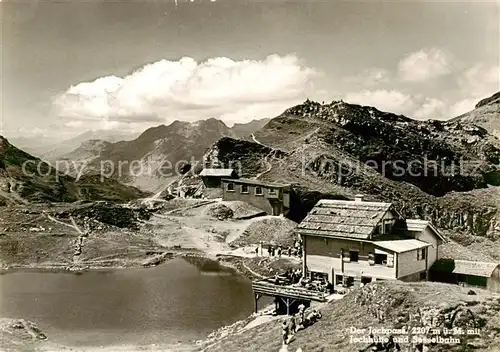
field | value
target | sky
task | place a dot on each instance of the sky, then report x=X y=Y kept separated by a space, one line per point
x=70 y=66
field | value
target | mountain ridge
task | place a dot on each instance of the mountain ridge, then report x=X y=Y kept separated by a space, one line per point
x=162 y=150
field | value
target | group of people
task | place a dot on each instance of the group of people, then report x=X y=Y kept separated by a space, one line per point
x=278 y=251
x=293 y=276
x=295 y=323
x=320 y=286
x=289 y=278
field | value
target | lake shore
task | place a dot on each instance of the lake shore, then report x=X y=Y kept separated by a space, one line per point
x=245 y=266
x=37 y=241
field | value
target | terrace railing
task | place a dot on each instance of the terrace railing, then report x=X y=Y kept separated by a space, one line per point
x=268 y=289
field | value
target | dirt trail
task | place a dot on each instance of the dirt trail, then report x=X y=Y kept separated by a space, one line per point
x=269 y=166
x=256 y=141
x=302 y=138
x=79 y=241
x=62 y=223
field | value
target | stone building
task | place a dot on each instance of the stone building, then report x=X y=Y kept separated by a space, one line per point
x=273 y=198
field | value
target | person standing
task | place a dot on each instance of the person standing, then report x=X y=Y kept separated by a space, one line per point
x=300 y=314
x=279 y=251
x=289 y=251
x=257 y=251
x=284 y=331
x=269 y=250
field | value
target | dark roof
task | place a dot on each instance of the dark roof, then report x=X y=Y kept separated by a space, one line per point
x=465 y=267
x=247 y=181
x=340 y=218
x=217 y=172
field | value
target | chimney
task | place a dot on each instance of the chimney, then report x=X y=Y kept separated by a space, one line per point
x=358 y=198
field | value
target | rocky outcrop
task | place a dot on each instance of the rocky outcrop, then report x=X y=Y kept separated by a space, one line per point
x=247 y=158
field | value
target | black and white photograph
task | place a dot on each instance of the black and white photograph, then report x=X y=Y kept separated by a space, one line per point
x=249 y=176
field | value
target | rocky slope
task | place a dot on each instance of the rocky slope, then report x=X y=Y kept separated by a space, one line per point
x=442 y=171
x=24 y=178
x=486 y=114
x=424 y=309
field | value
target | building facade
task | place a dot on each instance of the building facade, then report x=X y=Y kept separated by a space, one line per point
x=273 y=198
x=350 y=242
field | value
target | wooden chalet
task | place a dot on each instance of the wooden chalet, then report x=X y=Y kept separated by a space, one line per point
x=353 y=242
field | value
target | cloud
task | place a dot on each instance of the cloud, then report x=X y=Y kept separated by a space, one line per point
x=386 y=100
x=371 y=77
x=190 y=90
x=462 y=106
x=474 y=84
x=424 y=65
x=480 y=80
x=430 y=108
x=412 y=105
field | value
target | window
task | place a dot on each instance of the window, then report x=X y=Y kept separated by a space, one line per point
x=272 y=191
x=353 y=256
x=339 y=279
x=244 y=188
x=230 y=187
x=387 y=228
x=258 y=191
x=380 y=259
x=421 y=254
